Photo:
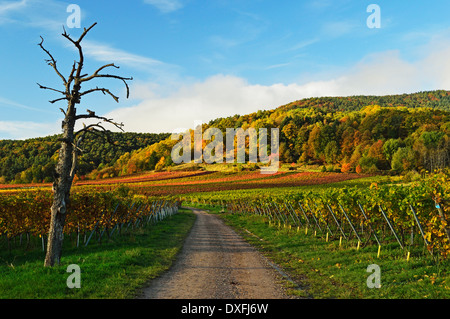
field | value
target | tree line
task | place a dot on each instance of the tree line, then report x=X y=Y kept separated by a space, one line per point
x=34 y=160
x=368 y=134
x=395 y=133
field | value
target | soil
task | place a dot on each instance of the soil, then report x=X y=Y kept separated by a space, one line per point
x=217 y=263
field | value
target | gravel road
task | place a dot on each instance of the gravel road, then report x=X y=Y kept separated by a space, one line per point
x=216 y=263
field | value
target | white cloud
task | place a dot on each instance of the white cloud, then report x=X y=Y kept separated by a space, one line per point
x=7 y=7
x=29 y=13
x=106 y=53
x=224 y=95
x=8 y=103
x=337 y=29
x=26 y=129
x=217 y=96
x=161 y=71
x=165 y=6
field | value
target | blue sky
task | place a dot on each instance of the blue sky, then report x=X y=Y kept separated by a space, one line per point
x=195 y=60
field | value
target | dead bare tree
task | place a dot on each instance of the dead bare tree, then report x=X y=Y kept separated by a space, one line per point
x=70 y=140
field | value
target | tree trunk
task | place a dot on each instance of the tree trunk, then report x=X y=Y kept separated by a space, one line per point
x=67 y=161
x=61 y=192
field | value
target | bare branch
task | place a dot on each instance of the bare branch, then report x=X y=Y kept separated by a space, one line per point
x=52 y=61
x=103 y=90
x=96 y=75
x=96 y=72
x=85 y=31
x=71 y=76
x=78 y=46
x=101 y=132
x=52 y=89
x=91 y=115
x=75 y=157
x=60 y=99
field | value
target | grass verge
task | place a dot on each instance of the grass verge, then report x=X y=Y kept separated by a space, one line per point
x=116 y=268
x=326 y=270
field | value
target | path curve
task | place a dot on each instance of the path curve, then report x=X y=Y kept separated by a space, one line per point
x=216 y=263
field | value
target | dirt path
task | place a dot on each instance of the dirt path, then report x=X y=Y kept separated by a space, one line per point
x=216 y=263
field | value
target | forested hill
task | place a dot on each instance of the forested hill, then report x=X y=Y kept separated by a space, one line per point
x=33 y=160
x=358 y=133
x=439 y=99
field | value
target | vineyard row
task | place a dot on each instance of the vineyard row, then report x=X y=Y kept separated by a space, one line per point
x=91 y=214
x=404 y=214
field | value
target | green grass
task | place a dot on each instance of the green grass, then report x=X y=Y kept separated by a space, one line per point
x=116 y=268
x=326 y=270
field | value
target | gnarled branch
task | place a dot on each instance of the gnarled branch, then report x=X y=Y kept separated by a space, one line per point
x=52 y=61
x=51 y=89
x=103 y=90
x=96 y=75
x=91 y=115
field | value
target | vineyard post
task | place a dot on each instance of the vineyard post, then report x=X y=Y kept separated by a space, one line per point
x=279 y=212
x=126 y=218
x=314 y=217
x=420 y=226
x=267 y=212
x=129 y=222
x=304 y=214
x=370 y=226
x=286 y=213
x=256 y=211
x=274 y=213
x=116 y=226
x=295 y=214
x=93 y=230
x=138 y=217
x=163 y=212
x=158 y=209
x=336 y=221
x=324 y=219
x=290 y=214
x=390 y=226
x=106 y=226
x=349 y=221
x=151 y=211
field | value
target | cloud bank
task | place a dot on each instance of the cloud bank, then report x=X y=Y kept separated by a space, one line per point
x=225 y=95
